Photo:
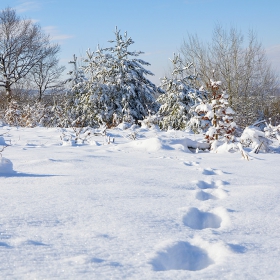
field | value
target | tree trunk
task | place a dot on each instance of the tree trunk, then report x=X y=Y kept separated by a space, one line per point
x=40 y=94
x=8 y=91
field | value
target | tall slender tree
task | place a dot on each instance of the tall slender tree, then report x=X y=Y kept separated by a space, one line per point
x=47 y=72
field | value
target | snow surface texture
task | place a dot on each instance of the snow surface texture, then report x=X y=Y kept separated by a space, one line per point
x=135 y=209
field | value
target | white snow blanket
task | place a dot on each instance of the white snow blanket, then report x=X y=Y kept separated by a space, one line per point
x=135 y=209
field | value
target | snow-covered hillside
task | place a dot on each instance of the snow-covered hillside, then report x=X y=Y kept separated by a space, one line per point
x=135 y=209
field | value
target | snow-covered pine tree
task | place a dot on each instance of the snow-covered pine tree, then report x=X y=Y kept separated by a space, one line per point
x=99 y=92
x=180 y=96
x=136 y=93
x=220 y=113
x=77 y=75
x=116 y=88
x=77 y=110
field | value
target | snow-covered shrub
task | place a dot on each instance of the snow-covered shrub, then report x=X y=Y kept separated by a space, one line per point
x=12 y=115
x=27 y=115
x=256 y=139
x=179 y=98
x=150 y=121
x=83 y=135
x=272 y=132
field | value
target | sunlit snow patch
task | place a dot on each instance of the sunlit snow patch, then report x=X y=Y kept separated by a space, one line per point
x=150 y=145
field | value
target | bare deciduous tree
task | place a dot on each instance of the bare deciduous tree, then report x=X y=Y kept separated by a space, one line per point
x=242 y=67
x=46 y=73
x=22 y=46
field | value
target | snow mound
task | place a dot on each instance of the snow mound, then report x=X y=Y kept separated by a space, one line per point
x=124 y=126
x=220 y=147
x=150 y=145
x=187 y=144
x=155 y=144
x=6 y=166
x=255 y=138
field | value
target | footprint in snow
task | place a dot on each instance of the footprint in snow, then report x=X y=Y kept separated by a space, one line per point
x=209 y=185
x=210 y=171
x=98 y=261
x=197 y=219
x=239 y=249
x=210 y=191
x=35 y=243
x=181 y=256
x=201 y=195
x=3 y=244
x=191 y=163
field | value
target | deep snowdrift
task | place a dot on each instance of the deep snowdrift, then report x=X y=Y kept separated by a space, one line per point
x=149 y=208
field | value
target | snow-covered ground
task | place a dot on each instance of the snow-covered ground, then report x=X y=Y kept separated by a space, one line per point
x=135 y=209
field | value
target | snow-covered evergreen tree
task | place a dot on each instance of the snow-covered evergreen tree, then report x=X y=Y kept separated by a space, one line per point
x=77 y=76
x=77 y=110
x=200 y=122
x=180 y=96
x=117 y=87
x=219 y=113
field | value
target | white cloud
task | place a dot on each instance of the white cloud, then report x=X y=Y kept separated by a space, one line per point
x=55 y=35
x=25 y=6
x=274 y=50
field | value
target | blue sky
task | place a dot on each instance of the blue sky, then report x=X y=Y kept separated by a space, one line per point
x=158 y=27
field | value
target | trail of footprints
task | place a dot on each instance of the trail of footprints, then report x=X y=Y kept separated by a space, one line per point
x=183 y=255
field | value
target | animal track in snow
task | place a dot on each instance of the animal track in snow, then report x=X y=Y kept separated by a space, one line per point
x=181 y=256
x=197 y=219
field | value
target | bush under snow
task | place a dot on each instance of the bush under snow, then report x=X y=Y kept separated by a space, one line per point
x=254 y=138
